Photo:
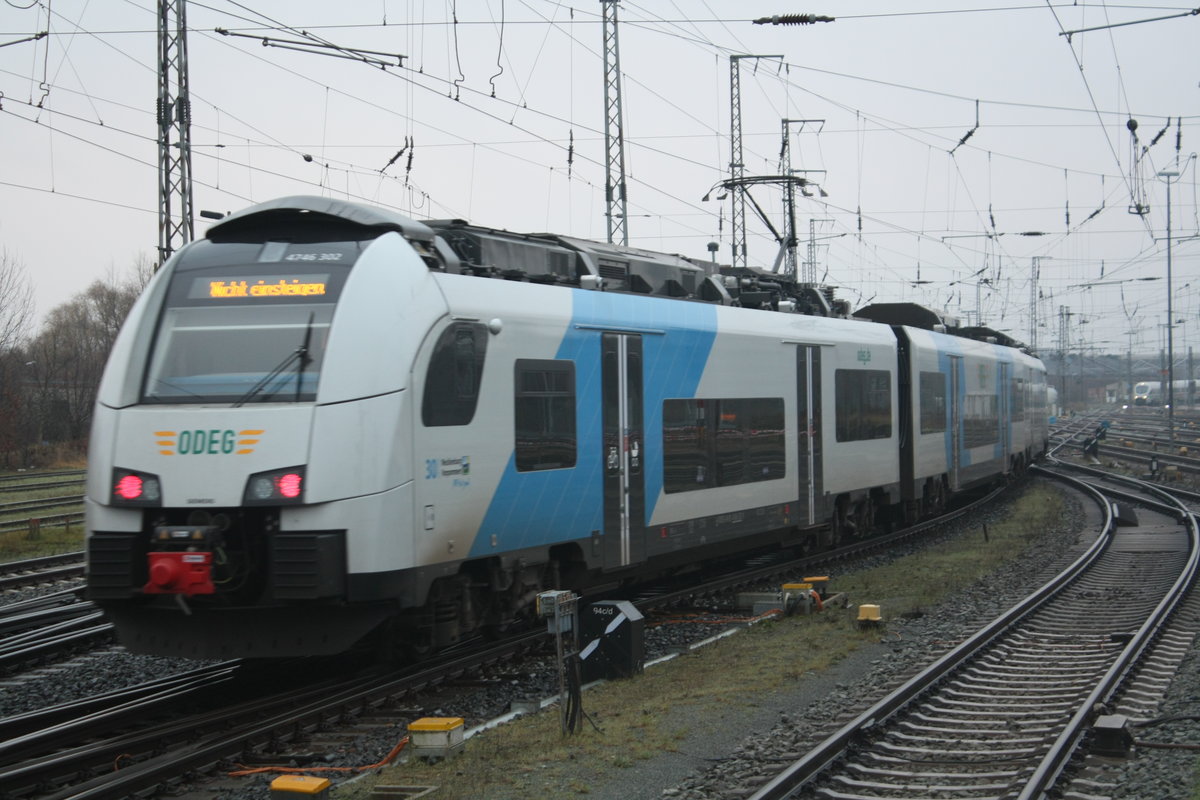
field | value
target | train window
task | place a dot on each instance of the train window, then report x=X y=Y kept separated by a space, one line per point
x=229 y=355
x=723 y=442
x=247 y=322
x=544 y=414
x=933 y=402
x=686 y=462
x=863 y=399
x=981 y=420
x=455 y=370
x=1018 y=398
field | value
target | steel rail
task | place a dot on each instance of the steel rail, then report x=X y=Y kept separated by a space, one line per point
x=57 y=643
x=29 y=626
x=209 y=738
x=37 y=487
x=827 y=752
x=129 y=700
x=78 y=474
x=15 y=580
x=38 y=504
x=41 y=562
x=69 y=519
x=1064 y=746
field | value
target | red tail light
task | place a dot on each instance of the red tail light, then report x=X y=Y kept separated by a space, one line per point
x=133 y=488
x=279 y=486
x=129 y=487
x=289 y=485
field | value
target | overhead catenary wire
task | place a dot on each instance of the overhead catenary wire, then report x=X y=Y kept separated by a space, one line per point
x=571 y=140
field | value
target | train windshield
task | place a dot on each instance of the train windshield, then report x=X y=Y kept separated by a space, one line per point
x=247 y=322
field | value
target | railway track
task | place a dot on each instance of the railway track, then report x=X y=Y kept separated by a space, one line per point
x=41 y=570
x=36 y=513
x=48 y=628
x=252 y=721
x=1002 y=714
x=249 y=712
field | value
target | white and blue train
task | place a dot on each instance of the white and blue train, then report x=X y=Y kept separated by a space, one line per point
x=1154 y=393
x=326 y=420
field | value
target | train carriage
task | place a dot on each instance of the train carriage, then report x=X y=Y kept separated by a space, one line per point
x=325 y=420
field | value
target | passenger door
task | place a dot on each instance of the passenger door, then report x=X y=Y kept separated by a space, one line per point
x=623 y=450
x=957 y=390
x=808 y=430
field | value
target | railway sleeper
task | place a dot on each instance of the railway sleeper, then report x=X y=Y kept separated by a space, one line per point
x=965 y=741
x=987 y=751
x=953 y=728
x=974 y=786
x=953 y=776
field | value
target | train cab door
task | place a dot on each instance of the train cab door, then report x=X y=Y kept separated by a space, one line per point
x=808 y=430
x=623 y=448
x=956 y=432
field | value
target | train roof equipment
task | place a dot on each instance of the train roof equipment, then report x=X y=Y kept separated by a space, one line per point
x=456 y=246
x=913 y=315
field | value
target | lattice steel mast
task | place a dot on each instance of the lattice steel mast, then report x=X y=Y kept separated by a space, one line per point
x=614 y=127
x=175 y=219
x=737 y=167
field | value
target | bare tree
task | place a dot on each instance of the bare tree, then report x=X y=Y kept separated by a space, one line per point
x=66 y=358
x=16 y=314
x=16 y=301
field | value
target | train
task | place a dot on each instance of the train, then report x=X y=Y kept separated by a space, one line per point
x=325 y=425
x=1151 y=393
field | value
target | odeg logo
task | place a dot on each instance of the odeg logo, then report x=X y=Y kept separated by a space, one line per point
x=211 y=442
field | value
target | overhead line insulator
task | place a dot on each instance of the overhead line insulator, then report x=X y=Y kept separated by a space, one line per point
x=793 y=19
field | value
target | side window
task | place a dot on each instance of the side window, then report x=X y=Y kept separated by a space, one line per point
x=750 y=440
x=545 y=414
x=981 y=420
x=864 y=404
x=723 y=442
x=686 y=462
x=455 y=370
x=933 y=402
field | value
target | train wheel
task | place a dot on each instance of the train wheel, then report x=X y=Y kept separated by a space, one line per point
x=864 y=518
x=841 y=524
x=935 y=498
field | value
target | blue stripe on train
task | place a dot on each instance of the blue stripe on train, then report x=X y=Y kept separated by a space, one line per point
x=536 y=508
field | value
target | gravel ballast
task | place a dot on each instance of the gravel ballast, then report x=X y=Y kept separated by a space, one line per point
x=720 y=751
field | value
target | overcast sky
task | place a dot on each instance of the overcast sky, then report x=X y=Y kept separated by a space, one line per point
x=499 y=108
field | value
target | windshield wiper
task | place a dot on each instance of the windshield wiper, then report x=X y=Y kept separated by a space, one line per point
x=300 y=354
x=305 y=358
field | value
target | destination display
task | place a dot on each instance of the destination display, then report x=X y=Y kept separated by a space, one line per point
x=265 y=287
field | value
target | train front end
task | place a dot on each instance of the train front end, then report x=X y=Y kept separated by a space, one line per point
x=249 y=481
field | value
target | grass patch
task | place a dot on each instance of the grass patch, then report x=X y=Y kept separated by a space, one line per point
x=50 y=541
x=911 y=584
x=52 y=538
x=658 y=711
